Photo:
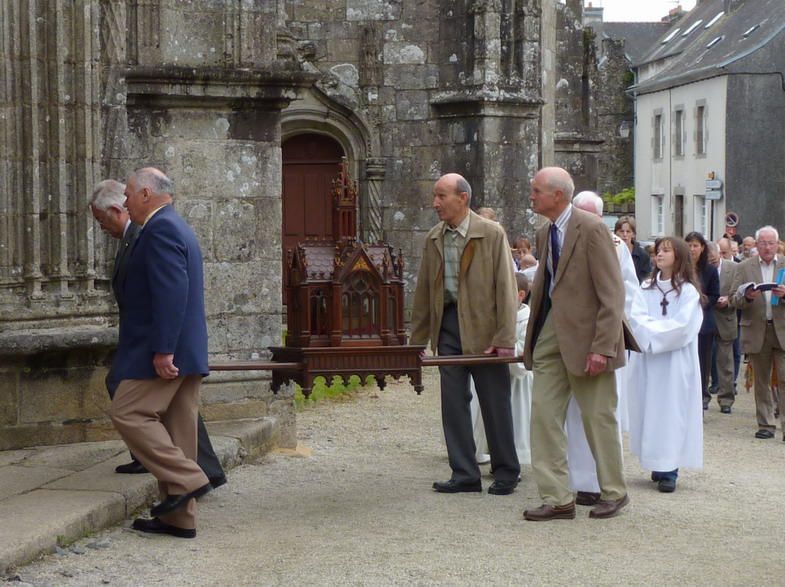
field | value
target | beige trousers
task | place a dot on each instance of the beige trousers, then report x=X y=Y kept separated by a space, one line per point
x=771 y=353
x=553 y=385
x=157 y=420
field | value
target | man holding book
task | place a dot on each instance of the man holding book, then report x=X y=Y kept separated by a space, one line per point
x=763 y=323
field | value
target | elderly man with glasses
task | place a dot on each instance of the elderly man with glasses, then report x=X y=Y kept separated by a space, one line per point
x=763 y=323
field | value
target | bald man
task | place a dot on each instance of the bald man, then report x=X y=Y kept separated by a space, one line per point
x=574 y=342
x=465 y=302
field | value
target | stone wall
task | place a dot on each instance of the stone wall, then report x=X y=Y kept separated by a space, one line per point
x=577 y=142
x=616 y=123
x=95 y=90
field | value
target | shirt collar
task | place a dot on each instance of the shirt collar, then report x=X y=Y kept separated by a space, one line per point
x=151 y=214
x=462 y=228
x=764 y=264
x=564 y=218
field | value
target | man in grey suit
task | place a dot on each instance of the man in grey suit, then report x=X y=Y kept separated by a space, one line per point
x=725 y=335
x=763 y=325
x=106 y=205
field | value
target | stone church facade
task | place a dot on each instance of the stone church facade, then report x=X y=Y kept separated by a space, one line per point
x=229 y=98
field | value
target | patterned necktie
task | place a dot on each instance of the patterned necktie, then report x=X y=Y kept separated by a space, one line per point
x=554 y=247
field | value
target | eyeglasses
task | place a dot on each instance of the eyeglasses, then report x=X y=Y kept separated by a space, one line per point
x=767 y=243
x=102 y=220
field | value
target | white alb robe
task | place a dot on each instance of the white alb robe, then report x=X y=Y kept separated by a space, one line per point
x=581 y=463
x=665 y=401
x=520 y=398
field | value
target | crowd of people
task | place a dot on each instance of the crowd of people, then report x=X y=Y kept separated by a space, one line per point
x=614 y=336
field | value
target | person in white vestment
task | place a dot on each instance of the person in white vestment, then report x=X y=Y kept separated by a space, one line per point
x=581 y=463
x=521 y=387
x=665 y=401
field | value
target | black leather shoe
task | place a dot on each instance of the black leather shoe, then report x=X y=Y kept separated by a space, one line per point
x=666 y=485
x=655 y=476
x=587 y=498
x=174 y=502
x=764 y=433
x=156 y=526
x=216 y=482
x=725 y=409
x=453 y=486
x=502 y=487
x=132 y=468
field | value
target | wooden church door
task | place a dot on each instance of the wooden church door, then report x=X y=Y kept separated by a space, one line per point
x=310 y=163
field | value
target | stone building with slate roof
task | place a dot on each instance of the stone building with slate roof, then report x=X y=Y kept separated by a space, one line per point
x=710 y=121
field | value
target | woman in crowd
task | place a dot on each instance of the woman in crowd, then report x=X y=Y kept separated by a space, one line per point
x=625 y=230
x=666 y=427
x=710 y=287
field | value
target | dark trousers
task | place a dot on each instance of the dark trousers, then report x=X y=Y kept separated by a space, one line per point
x=705 y=343
x=492 y=383
x=205 y=456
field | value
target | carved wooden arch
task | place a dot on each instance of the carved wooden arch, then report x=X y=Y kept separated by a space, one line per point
x=317 y=113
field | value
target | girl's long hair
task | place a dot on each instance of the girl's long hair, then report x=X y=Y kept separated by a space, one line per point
x=683 y=271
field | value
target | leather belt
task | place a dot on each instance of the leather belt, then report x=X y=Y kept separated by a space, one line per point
x=450 y=305
x=769 y=321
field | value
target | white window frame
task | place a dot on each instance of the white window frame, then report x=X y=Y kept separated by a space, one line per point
x=679 y=128
x=701 y=215
x=658 y=214
x=701 y=129
x=658 y=140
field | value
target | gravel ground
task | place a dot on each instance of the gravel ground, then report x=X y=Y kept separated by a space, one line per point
x=354 y=506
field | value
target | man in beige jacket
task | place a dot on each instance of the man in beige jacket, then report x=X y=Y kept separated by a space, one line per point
x=465 y=302
x=574 y=342
x=763 y=326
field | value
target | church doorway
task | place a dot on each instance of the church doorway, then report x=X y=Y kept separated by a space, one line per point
x=310 y=163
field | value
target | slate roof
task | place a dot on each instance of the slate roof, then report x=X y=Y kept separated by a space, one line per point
x=639 y=37
x=708 y=40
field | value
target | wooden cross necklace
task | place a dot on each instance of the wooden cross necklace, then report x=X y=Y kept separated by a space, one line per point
x=664 y=303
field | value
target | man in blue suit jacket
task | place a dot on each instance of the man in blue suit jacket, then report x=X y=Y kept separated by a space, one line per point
x=108 y=208
x=162 y=355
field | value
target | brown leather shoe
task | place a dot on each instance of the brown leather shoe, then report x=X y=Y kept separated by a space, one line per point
x=551 y=512
x=609 y=508
x=587 y=498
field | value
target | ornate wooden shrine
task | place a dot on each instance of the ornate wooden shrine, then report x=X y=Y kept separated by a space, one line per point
x=345 y=304
x=345 y=310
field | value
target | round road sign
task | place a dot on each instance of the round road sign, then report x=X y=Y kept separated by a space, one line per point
x=731 y=219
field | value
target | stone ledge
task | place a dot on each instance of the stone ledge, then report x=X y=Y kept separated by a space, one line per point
x=27 y=342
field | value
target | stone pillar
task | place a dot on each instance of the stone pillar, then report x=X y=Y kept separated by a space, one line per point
x=375 y=171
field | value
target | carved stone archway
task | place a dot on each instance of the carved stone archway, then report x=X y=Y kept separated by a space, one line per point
x=319 y=114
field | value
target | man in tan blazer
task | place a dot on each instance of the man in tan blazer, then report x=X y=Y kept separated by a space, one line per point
x=725 y=335
x=465 y=302
x=574 y=342
x=763 y=325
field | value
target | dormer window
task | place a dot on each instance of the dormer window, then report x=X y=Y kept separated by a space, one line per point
x=715 y=41
x=669 y=37
x=693 y=26
x=713 y=20
x=751 y=30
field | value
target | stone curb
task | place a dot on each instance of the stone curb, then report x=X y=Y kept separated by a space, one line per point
x=54 y=495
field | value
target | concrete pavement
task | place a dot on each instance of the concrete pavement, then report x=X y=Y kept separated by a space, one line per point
x=55 y=494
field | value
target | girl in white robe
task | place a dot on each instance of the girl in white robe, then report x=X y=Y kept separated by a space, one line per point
x=520 y=387
x=665 y=401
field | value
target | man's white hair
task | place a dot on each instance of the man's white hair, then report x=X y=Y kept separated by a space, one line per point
x=767 y=229
x=586 y=200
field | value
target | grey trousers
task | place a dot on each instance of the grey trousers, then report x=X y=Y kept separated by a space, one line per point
x=492 y=383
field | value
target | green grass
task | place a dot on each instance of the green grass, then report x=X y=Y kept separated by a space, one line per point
x=337 y=389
